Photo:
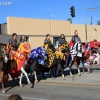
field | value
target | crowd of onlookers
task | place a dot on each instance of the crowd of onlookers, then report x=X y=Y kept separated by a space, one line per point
x=94 y=54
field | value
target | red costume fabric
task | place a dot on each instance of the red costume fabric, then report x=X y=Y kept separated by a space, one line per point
x=71 y=44
x=93 y=44
x=20 y=58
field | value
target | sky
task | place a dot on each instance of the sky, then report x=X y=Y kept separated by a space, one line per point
x=51 y=9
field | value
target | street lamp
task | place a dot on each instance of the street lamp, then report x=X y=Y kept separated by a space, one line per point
x=89 y=9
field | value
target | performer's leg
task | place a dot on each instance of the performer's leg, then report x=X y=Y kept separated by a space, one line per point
x=66 y=61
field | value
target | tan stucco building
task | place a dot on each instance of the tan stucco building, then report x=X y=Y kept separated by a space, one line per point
x=36 y=29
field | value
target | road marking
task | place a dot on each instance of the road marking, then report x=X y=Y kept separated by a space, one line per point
x=71 y=84
x=28 y=98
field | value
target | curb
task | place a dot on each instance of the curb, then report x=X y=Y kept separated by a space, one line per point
x=74 y=84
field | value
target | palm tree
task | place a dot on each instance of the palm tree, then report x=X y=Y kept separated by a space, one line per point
x=69 y=19
x=98 y=22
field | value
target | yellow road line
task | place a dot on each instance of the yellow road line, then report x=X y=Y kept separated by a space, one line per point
x=71 y=84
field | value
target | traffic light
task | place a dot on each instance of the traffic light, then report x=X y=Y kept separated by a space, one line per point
x=72 y=11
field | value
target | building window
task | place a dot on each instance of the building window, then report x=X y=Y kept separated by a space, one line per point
x=55 y=41
x=27 y=38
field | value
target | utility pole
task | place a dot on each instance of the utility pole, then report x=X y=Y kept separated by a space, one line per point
x=86 y=24
x=88 y=9
x=91 y=20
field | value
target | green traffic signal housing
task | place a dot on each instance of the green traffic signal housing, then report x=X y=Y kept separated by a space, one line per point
x=72 y=11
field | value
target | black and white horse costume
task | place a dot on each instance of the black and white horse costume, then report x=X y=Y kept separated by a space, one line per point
x=76 y=56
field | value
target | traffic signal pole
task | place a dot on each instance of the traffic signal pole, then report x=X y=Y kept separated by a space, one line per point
x=72 y=11
x=86 y=24
x=85 y=28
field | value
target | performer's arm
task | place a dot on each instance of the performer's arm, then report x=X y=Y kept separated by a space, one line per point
x=73 y=39
x=47 y=42
x=13 y=45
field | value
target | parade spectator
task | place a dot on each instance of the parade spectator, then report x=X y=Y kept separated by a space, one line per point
x=91 y=55
x=14 y=97
x=99 y=49
x=88 y=46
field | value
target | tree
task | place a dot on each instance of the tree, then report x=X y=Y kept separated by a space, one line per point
x=98 y=22
x=69 y=19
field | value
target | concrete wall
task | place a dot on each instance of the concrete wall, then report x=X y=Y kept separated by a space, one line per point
x=80 y=29
x=28 y=26
x=60 y=27
x=38 y=28
x=36 y=41
x=96 y=32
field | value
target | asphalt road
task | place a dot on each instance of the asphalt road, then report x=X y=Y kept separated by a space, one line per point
x=42 y=91
x=58 y=89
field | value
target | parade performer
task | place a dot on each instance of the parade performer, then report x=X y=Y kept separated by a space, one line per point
x=62 y=45
x=62 y=40
x=12 y=45
x=19 y=61
x=51 y=51
x=74 y=39
x=22 y=39
x=47 y=42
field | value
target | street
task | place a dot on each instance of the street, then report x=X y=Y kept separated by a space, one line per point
x=85 y=87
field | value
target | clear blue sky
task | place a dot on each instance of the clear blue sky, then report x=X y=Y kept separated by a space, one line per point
x=50 y=9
